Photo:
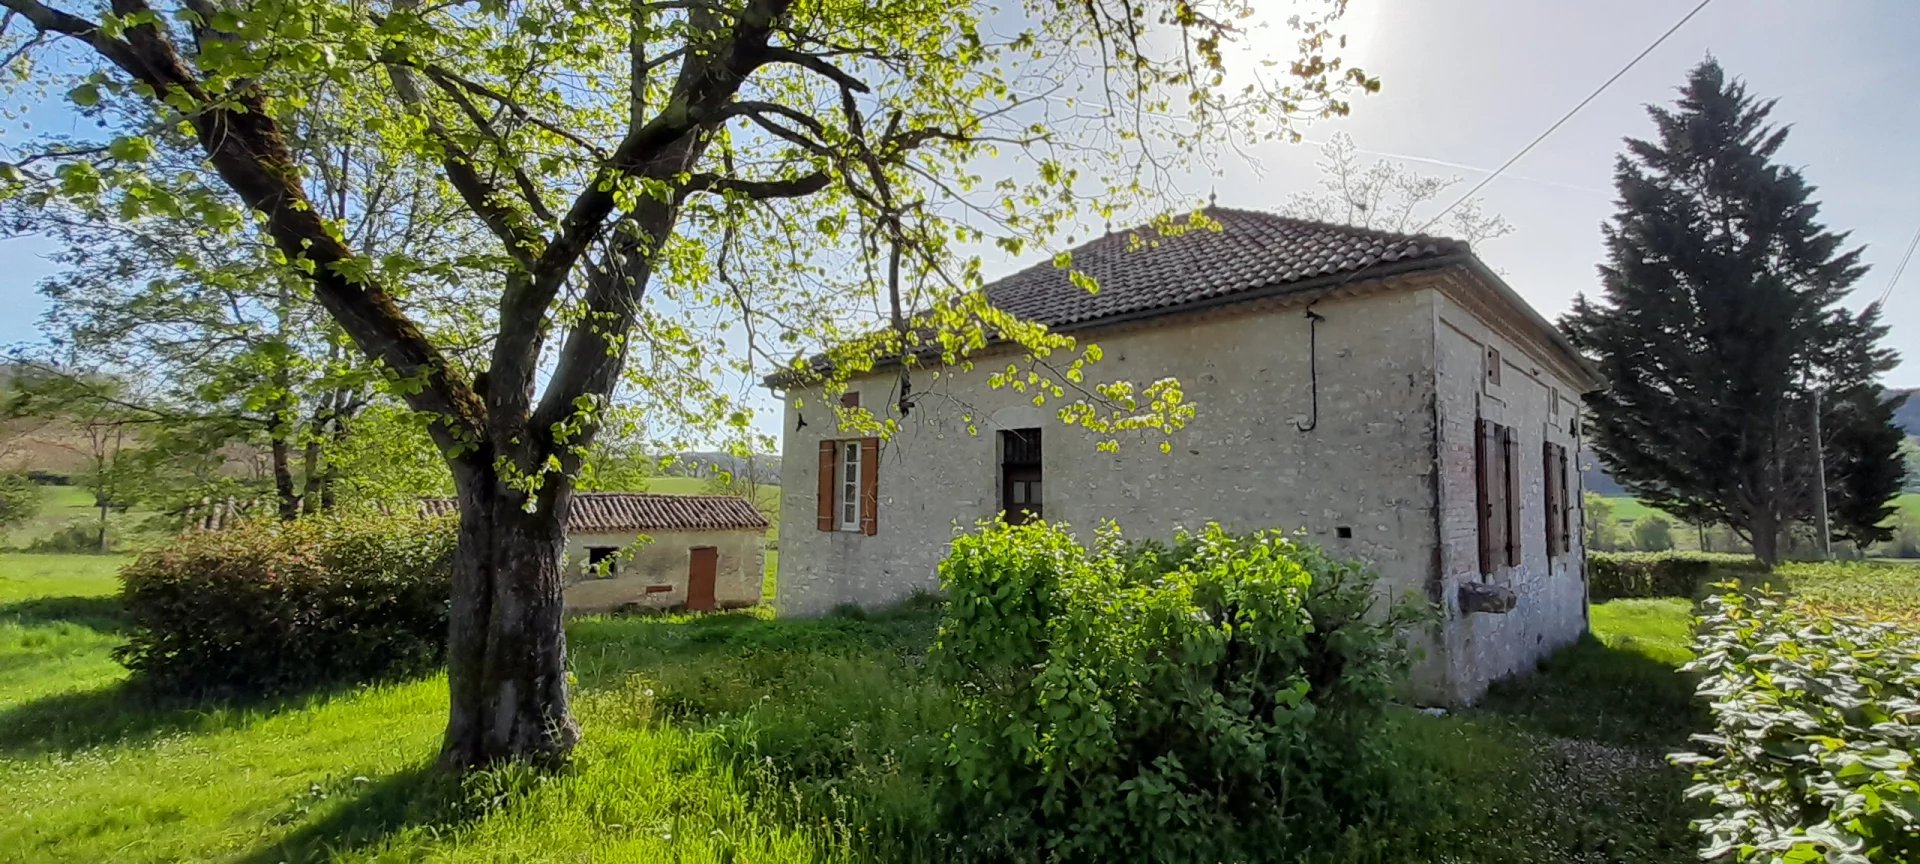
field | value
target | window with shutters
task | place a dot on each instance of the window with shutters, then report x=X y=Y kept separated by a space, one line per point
x=1552 y=498
x=1559 y=499
x=1020 y=475
x=849 y=492
x=1498 y=501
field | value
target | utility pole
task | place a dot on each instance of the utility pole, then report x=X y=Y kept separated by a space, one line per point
x=1823 y=538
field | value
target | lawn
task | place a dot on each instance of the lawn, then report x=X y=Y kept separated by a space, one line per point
x=62 y=506
x=720 y=738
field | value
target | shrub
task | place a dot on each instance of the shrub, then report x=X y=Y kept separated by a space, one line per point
x=1209 y=701
x=1613 y=575
x=1816 y=727
x=1653 y=533
x=268 y=606
x=19 y=499
x=75 y=538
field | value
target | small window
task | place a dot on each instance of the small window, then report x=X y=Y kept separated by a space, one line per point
x=1020 y=475
x=1553 y=407
x=603 y=561
x=1493 y=366
x=850 y=485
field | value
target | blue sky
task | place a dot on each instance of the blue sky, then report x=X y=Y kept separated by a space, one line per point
x=1468 y=82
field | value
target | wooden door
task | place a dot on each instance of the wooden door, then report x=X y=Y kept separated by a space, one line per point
x=703 y=567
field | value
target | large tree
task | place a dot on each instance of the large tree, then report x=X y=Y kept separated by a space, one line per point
x=653 y=173
x=1721 y=332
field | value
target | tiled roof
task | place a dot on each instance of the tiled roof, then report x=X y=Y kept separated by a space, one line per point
x=1159 y=274
x=635 y=511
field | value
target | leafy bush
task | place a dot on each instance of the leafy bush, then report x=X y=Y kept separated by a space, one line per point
x=19 y=499
x=1816 y=727
x=81 y=537
x=1212 y=701
x=1653 y=533
x=269 y=606
x=1613 y=575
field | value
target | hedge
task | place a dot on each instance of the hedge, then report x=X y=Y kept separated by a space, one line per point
x=266 y=606
x=1614 y=575
x=1816 y=732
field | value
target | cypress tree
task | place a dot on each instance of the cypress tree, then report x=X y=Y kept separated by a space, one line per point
x=1720 y=329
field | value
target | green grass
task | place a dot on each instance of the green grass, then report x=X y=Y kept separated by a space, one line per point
x=718 y=738
x=61 y=506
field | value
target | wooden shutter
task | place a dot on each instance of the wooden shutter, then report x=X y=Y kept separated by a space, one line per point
x=1483 y=450
x=1550 y=486
x=1510 y=534
x=829 y=462
x=869 y=486
x=1566 y=504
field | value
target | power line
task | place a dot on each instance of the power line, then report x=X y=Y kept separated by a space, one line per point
x=1568 y=116
x=1900 y=268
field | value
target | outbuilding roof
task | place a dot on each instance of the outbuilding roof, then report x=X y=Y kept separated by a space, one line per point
x=639 y=511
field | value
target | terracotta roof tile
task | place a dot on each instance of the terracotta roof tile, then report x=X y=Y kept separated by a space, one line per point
x=635 y=511
x=1251 y=251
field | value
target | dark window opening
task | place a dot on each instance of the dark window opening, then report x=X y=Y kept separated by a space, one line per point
x=603 y=560
x=1344 y=532
x=1020 y=475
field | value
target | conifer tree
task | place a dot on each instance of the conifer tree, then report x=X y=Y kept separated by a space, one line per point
x=1721 y=332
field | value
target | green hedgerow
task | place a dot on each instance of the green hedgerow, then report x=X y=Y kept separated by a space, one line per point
x=269 y=606
x=1210 y=701
x=1816 y=731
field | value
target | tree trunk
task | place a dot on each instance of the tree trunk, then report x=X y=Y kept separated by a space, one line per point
x=506 y=647
x=287 y=499
x=1766 y=538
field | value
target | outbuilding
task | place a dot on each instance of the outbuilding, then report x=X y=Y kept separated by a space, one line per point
x=640 y=550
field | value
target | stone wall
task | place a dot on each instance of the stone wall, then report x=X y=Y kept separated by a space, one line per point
x=1540 y=405
x=661 y=560
x=1359 y=482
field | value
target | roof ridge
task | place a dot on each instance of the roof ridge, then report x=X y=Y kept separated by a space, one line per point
x=1341 y=226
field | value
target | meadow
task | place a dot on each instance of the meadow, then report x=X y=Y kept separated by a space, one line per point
x=729 y=737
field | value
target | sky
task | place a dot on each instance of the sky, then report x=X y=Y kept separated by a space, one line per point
x=1467 y=83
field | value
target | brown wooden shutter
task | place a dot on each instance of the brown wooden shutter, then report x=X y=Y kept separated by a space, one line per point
x=1550 y=487
x=829 y=461
x=1566 y=505
x=1483 y=476
x=1510 y=498
x=869 y=486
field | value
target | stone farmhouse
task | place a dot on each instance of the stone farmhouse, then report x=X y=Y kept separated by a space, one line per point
x=633 y=550
x=1388 y=394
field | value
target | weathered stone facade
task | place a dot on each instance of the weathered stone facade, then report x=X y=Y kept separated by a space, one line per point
x=1384 y=473
x=661 y=561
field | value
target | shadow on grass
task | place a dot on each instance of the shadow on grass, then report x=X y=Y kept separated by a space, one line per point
x=357 y=813
x=1599 y=693
x=104 y=614
x=125 y=711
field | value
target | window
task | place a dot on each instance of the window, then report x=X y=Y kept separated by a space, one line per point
x=1559 y=506
x=1498 y=503
x=1492 y=365
x=849 y=486
x=1020 y=475
x=603 y=561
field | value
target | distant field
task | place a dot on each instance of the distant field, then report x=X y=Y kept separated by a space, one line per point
x=61 y=506
x=1628 y=509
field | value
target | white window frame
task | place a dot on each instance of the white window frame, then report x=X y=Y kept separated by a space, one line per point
x=850 y=506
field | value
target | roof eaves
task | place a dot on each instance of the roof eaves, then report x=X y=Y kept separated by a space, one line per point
x=1317 y=284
